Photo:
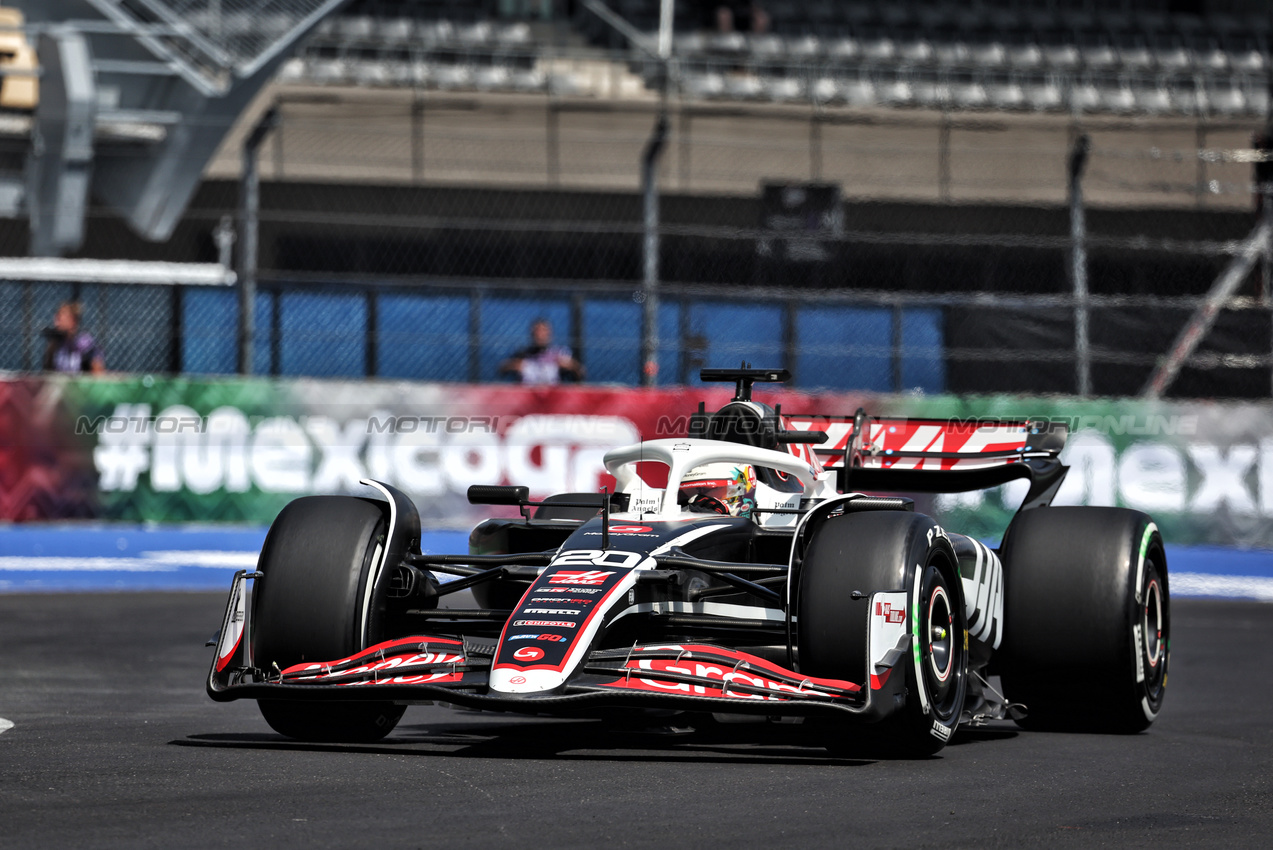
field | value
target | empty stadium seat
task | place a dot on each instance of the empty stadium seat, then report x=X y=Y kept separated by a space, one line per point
x=1084 y=97
x=804 y=48
x=917 y=52
x=1044 y=95
x=1185 y=97
x=1135 y=57
x=704 y=86
x=879 y=50
x=452 y=76
x=896 y=92
x=826 y=90
x=783 y=88
x=968 y=94
x=1154 y=100
x=843 y=49
x=743 y=87
x=1024 y=55
x=1120 y=99
x=1061 y=56
x=1006 y=94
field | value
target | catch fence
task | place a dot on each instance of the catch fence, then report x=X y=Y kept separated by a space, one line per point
x=416 y=235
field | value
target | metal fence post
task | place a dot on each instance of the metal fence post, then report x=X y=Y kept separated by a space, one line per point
x=1078 y=264
x=417 y=137
x=1263 y=173
x=650 y=283
x=1268 y=255
x=1266 y=272
x=249 y=221
x=650 y=158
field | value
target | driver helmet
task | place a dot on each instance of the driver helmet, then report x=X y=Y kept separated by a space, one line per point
x=732 y=485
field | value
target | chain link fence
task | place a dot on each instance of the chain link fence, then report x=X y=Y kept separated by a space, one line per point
x=416 y=234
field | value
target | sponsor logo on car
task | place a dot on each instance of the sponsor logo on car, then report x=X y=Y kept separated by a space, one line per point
x=630 y=529
x=545 y=624
x=644 y=504
x=545 y=637
x=565 y=600
x=550 y=611
x=518 y=680
x=889 y=613
x=580 y=577
x=568 y=590
x=528 y=653
x=941 y=731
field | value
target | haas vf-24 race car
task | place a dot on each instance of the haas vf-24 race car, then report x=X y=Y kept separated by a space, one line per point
x=742 y=569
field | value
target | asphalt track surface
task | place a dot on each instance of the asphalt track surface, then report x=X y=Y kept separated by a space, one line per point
x=114 y=744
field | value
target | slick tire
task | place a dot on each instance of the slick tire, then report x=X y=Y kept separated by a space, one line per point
x=319 y=600
x=884 y=551
x=1087 y=619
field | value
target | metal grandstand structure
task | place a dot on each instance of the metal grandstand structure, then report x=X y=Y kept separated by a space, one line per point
x=136 y=96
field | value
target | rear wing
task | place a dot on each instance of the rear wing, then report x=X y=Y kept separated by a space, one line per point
x=901 y=454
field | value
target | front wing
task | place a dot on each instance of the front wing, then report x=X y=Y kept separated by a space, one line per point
x=688 y=676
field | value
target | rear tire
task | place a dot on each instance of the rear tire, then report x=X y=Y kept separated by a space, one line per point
x=319 y=600
x=876 y=551
x=1087 y=619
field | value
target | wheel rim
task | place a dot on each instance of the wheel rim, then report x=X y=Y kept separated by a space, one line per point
x=940 y=634
x=1154 y=618
x=941 y=647
x=1151 y=623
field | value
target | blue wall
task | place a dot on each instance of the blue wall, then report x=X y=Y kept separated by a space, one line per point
x=426 y=337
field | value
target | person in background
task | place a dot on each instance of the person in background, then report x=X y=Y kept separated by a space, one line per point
x=541 y=362
x=70 y=349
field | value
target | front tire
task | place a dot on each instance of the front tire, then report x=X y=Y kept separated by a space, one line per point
x=876 y=551
x=320 y=599
x=1087 y=619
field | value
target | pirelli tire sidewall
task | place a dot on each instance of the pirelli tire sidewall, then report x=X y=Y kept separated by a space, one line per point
x=876 y=551
x=1087 y=619
x=320 y=598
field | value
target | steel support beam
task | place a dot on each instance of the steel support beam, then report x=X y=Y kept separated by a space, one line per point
x=60 y=164
x=1199 y=324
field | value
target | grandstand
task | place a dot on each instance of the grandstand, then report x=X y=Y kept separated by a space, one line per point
x=1070 y=57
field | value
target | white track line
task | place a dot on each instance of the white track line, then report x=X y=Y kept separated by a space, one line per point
x=1203 y=584
x=5 y=725
x=149 y=562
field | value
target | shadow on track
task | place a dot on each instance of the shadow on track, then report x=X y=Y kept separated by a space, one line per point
x=590 y=740
x=576 y=741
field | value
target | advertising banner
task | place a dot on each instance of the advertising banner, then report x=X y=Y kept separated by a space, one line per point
x=233 y=450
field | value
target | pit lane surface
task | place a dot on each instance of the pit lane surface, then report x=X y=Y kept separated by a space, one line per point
x=114 y=744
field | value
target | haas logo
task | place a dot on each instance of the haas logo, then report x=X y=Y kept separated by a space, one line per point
x=889 y=613
x=528 y=653
x=584 y=577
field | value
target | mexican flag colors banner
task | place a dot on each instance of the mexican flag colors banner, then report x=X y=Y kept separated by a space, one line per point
x=236 y=450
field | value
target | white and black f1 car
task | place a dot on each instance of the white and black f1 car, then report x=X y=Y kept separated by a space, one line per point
x=736 y=571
